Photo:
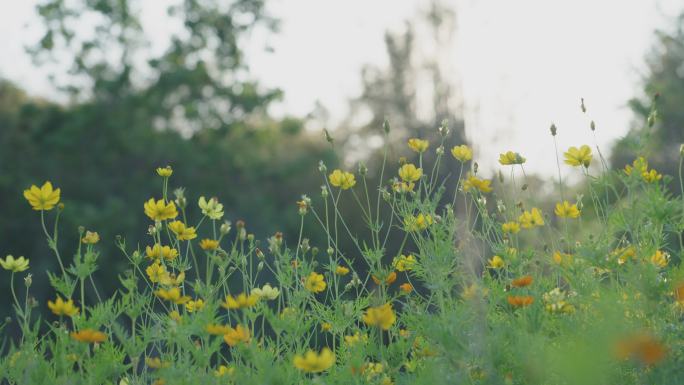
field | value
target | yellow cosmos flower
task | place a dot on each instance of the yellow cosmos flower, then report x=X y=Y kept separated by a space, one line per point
x=578 y=156
x=237 y=335
x=496 y=262
x=183 y=232
x=510 y=157
x=473 y=182
x=91 y=238
x=342 y=179
x=410 y=173
x=156 y=363
x=326 y=326
x=315 y=282
x=313 y=362
x=14 y=265
x=89 y=336
x=217 y=330
x=355 y=338
x=404 y=262
x=158 y=251
x=209 y=244
x=660 y=259
x=418 y=145
x=164 y=172
x=43 y=198
x=562 y=259
x=224 y=370
x=160 y=210
x=418 y=223
x=157 y=272
x=341 y=270
x=640 y=164
x=211 y=208
x=193 y=306
x=462 y=153
x=266 y=291
x=531 y=218
x=623 y=254
x=651 y=176
x=380 y=316
x=566 y=210
x=510 y=227
x=61 y=307
x=172 y=295
x=241 y=301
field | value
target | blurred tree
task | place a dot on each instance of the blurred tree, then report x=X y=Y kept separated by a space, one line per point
x=193 y=107
x=664 y=76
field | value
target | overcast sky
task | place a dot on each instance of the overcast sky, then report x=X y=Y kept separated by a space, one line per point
x=522 y=64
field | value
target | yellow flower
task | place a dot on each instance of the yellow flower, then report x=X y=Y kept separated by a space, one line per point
x=312 y=362
x=89 y=336
x=380 y=316
x=510 y=227
x=241 y=301
x=209 y=244
x=531 y=218
x=566 y=210
x=510 y=157
x=624 y=254
x=173 y=295
x=404 y=262
x=43 y=198
x=640 y=164
x=158 y=251
x=183 y=232
x=217 y=330
x=211 y=208
x=193 y=306
x=61 y=307
x=410 y=173
x=474 y=291
x=315 y=282
x=14 y=265
x=418 y=223
x=164 y=172
x=157 y=272
x=418 y=145
x=471 y=181
x=326 y=326
x=237 y=335
x=578 y=156
x=462 y=153
x=660 y=259
x=160 y=210
x=91 y=238
x=156 y=363
x=266 y=291
x=562 y=258
x=496 y=262
x=651 y=176
x=341 y=270
x=342 y=179
x=354 y=339
x=224 y=370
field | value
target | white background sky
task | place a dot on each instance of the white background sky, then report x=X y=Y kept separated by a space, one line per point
x=522 y=64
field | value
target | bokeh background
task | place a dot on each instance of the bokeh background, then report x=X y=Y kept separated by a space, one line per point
x=235 y=95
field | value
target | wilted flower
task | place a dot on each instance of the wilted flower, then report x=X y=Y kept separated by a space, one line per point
x=91 y=238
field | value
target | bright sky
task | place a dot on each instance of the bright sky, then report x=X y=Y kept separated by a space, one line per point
x=522 y=64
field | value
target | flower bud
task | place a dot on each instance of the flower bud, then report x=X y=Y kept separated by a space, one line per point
x=330 y=251
x=250 y=237
x=324 y=191
x=28 y=280
x=475 y=167
x=440 y=150
x=584 y=109
x=321 y=167
x=363 y=170
x=259 y=253
x=592 y=125
x=260 y=266
x=225 y=227
x=386 y=126
x=444 y=128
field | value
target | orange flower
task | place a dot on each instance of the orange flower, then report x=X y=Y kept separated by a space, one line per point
x=89 y=335
x=679 y=293
x=522 y=281
x=641 y=347
x=406 y=288
x=520 y=300
x=388 y=281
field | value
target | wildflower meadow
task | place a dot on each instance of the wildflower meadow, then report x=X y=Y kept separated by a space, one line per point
x=488 y=285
